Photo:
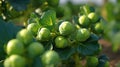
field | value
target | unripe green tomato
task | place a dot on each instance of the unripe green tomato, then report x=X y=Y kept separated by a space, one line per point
x=50 y=58
x=35 y=49
x=17 y=61
x=61 y=42
x=98 y=28
x=14 y=46
x=25 y=36
x=43 y=34
x=92 y=61
x=82 y=34
x=107 y=64
x=7 y=63
x=33 y=27
x=66 y=28
x=84 y=20
x=93 y=17
x=53 y=3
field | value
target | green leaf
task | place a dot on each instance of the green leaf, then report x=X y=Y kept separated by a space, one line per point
x=48 y=19
x=19 y=4
x=37 y=62
x=87 y=49
x=34 y=18
x=65 y=53
x=103 y=59
x=86 y=9
x=7 y=32
x=93 y=38
x=75 y=19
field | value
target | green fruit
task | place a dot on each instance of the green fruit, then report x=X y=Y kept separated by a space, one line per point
x=84 y=20
x=50 y=58
x=35 y=49
x=61 y=42
x=92 y=61
x=107 y=64
x=98 y=28
x=14 y=46
x=33 y=27
x=93 y=17
x=25 y=36
x=53 y=3
x=7 y=63
x=66 y=28
x=17 y=61
x=43 y=34
x=82 y=34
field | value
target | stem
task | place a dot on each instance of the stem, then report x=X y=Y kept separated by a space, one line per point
x=77 y=60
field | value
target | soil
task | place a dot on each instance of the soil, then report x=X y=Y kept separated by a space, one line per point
x=107 y=50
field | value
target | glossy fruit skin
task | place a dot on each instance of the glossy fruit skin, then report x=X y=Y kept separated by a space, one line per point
x=35 y=49
x=92 y=61
x=25 y=36
x=43 y=34
x=82 y=34
x=14 y=46
x=93 y=17
x=84 y=20
x=61 y=42
x=66 y=28
x=33 y=27
x=17 y=61
x=50 y=58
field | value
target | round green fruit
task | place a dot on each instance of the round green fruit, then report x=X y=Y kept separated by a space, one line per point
x=7 y=63
x=17 y=61
x=43 y=34
x=92 y=61
x=82 y=34
x=25 y=36
x=84 y=20
x=50 y=58
x=98 y=28
x=35 y=49
x=33 y=27
x=93 y=17
x=61 y=42
x=14 y=46
x=66 y=28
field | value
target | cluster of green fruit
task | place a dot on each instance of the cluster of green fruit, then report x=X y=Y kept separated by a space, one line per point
x=24 y=48
x=92 y=20
x=31 y=41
